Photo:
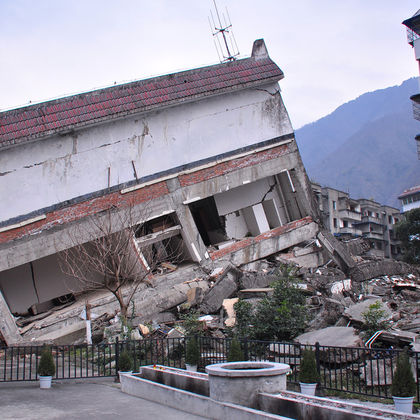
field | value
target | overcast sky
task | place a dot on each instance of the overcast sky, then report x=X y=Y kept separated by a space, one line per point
x=331 y=51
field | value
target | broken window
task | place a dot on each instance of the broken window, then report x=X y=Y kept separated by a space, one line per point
x=335 y=222
x=209 y=224
x=160 y=241
x=247 y=210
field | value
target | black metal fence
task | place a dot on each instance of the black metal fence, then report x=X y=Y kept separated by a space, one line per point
x=343 y=369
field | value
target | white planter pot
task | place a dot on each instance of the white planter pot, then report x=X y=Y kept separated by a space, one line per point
x=191 y=368
x=403 y=404
x=45 y=382
x=307 y=389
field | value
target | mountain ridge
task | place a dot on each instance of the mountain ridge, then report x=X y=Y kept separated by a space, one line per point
x=366 y=146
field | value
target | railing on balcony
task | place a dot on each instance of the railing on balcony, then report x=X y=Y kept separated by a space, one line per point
x=412 y=36
x=350 y=231
x=416 y=106
x=371 y=219
x=374 y=235
x=350 y=215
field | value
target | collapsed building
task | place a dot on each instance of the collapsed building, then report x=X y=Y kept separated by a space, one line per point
x=208 y=154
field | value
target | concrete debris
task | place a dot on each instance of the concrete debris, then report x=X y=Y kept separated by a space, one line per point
x=144 y=330
x=255 y=293
x=135 y=335
x=230 y=311
x=256 y=280
x=354 y=312
x=175 y=333
x=224 y=288
x=71 y=334
x=309 y=257
x=195 y=296
x=371 y=269
x=210 y=321
x=164 y=318
x=339 y=287
x=337 y=251
x=357 y=246
x=378 y=372
x=169 y=266
x=331 y=336
x=329 y=314
x=338 y=290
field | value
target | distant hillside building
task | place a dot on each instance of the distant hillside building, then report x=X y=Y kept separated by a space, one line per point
x=413 y=36
x=348 y=218
x=410 y=198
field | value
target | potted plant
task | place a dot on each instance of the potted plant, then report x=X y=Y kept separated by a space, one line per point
x=192 y=354
x=308 y=373
x=125 y=362
x=46 y=368
x=235 y=353
x=403 y=386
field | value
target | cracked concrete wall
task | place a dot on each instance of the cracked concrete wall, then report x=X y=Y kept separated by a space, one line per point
x=59 y=168
x=239 y=204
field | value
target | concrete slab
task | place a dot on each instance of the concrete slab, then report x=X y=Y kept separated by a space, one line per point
x=98 y=399
x=331 y=336
x=355 y=312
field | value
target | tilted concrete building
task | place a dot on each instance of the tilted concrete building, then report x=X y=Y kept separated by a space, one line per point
x=210 y=153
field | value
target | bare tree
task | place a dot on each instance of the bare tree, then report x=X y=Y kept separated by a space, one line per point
x=104 y=253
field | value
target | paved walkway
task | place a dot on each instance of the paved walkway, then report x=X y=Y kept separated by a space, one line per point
x=87 y=399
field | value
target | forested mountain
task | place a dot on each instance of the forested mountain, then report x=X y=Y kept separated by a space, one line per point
x=366 y=146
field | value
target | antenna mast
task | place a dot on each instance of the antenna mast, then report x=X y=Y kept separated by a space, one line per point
x=227 y=50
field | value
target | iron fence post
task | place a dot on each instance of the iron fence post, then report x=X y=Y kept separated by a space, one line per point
x=117 y=355
x=246 y=348
x=317 y=354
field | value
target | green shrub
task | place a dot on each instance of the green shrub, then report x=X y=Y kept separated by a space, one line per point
x=192 y=353
x=46 y=365
x=281 y=316
x=403 y=383
x=308 y=373
x=125 y=362
x=191 y=324
x=374 y=319
x=235 y=353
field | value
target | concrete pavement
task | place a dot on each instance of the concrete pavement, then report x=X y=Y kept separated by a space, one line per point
x=91 y=399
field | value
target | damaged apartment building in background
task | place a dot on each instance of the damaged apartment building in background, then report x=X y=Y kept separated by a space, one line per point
x=208 y=154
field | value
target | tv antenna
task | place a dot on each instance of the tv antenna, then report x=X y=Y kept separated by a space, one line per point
x=223 y=37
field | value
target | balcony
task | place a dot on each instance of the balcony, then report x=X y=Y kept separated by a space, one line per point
x=371 y=219
x=350 y=231
x=416 y=106
x=374 y=235
x=350 y=215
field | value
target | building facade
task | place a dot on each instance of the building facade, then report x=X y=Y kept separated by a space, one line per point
x=410 y=198
x=208 y=154
x=348 y=218
x=413 y=37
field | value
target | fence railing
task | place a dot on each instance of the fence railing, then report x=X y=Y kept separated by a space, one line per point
x=354 y=370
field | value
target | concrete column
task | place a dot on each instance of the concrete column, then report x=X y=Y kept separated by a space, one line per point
x=189 y=231
x=8 y=328
x=190 y=234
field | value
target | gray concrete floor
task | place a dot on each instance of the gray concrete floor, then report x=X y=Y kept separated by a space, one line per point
x=87 y=399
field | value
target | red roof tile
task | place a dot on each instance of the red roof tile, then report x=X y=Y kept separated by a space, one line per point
x=60 y=115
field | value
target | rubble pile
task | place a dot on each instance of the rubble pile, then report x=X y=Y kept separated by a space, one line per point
x=336 y=297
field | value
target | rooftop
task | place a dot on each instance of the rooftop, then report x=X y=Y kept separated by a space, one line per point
x=410 y=191
x=73 y=112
